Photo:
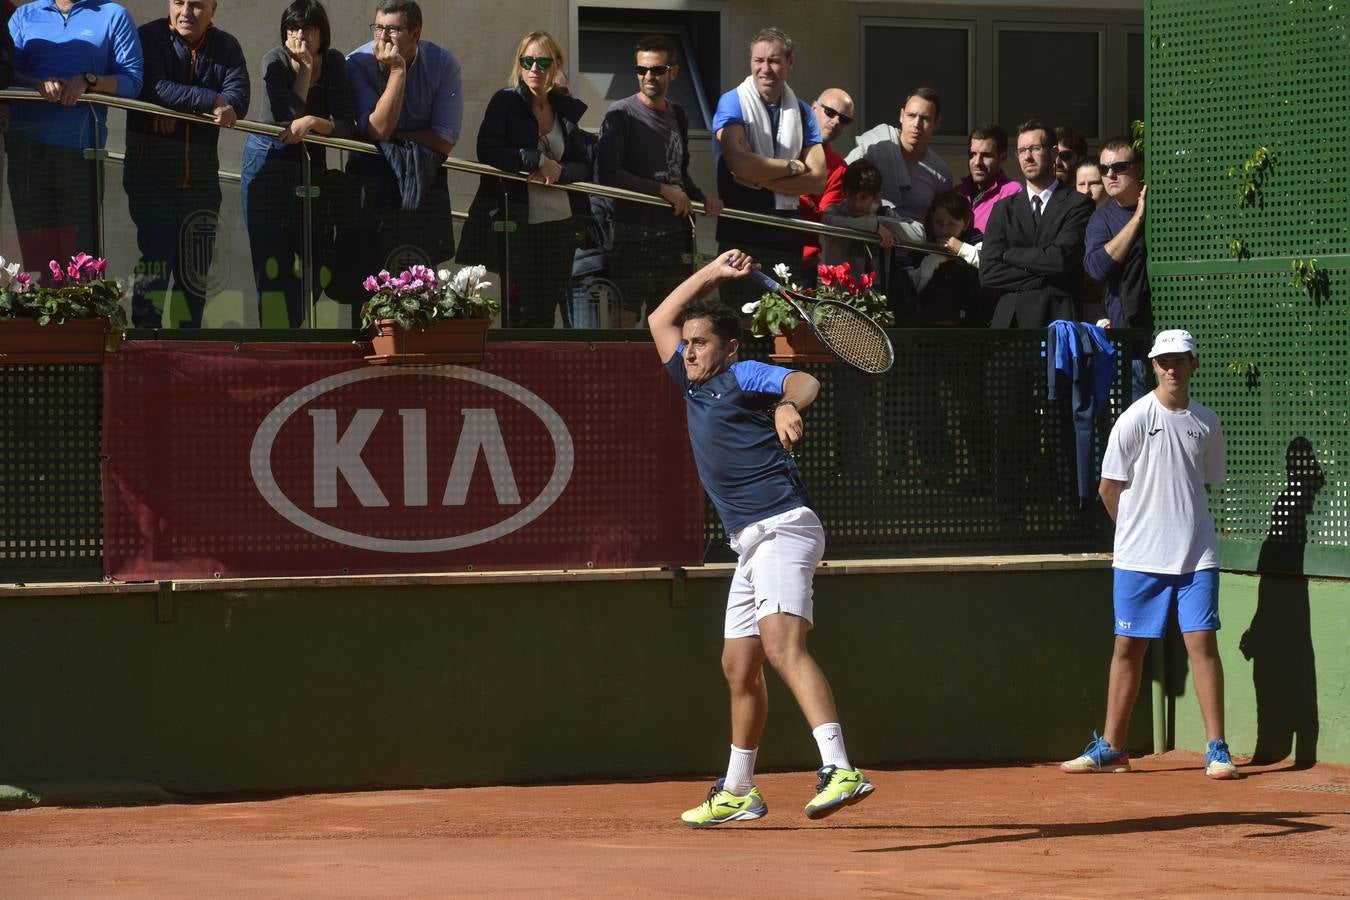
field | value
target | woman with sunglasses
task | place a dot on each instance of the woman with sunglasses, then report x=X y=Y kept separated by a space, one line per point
x=531 y=126
x=307 y=92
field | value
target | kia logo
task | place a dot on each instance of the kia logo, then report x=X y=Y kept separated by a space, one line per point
x=337 y=455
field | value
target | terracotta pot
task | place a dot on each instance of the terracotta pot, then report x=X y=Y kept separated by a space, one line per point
x=447 y=341
x=79 y=341
x=799 y=346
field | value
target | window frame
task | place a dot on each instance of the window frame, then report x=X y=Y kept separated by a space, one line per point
x=678 y=7
x=969 y=26
x=1000 y=26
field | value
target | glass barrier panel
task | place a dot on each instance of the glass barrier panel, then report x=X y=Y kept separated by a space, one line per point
x=48 y=208
x=174 y=232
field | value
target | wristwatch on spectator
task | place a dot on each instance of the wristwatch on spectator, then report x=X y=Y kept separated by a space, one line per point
x=795 y=167
x=90 y=81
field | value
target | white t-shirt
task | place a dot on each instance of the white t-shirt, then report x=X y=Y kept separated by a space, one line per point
x=1165 y=459
x=550 y=204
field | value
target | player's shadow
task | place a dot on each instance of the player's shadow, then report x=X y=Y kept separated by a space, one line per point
x=1279 y=639
x=1280 y=823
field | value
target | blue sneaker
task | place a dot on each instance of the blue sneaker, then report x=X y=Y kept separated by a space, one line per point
x=1219 y=762
x=1098 y=756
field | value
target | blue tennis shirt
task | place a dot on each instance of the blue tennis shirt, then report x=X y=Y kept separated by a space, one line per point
x=97 y=36
x=743 y=467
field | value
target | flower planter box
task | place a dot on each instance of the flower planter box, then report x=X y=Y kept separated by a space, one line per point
x=78 y=341
x=799 y=346
x=449 y=341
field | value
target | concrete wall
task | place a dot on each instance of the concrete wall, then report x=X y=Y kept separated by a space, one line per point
x=1286 y=654
x=278 y=689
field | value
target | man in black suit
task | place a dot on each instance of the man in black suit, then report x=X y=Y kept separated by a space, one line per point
x=1033 y=245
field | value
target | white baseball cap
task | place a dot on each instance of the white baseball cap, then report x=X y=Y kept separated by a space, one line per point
x=1177 y=340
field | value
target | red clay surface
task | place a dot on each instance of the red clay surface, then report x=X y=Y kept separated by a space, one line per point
x=1013 y=830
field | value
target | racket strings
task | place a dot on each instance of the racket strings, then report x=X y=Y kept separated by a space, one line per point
x=854 y=338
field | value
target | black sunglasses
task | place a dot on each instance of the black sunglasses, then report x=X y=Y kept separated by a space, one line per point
x=528 y=62
x=1067 y=155
x=836 y=114
x=658 y=71
x=1120 y=168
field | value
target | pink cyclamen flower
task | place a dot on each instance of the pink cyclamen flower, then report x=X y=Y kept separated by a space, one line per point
x=58 y=274
x=24 y=280
x=99 y=266
x=371 y=284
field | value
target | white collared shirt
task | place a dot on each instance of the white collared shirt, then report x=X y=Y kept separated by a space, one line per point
x=1044 y=195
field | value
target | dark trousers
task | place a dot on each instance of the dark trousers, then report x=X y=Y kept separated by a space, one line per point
x=270 y=174
x=646 y=264
x=53 y=192
x=540 y=262
x=176 y=236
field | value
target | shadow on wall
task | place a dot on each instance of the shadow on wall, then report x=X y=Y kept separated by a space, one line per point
x=1279 y=640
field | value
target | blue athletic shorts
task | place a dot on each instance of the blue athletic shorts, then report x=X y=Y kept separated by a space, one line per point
x=1144 y=599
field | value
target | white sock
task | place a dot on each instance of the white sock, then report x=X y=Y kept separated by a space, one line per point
x=830 y=739
x=740 y=771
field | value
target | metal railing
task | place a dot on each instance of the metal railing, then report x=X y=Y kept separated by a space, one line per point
x=307 y=192
x=476 y=168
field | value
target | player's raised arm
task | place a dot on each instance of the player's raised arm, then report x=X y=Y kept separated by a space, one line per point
x=662 y=320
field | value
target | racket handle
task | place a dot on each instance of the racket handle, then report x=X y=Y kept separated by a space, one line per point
x=765 y=281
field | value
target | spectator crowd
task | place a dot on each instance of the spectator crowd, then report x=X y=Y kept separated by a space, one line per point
x=1065 y=240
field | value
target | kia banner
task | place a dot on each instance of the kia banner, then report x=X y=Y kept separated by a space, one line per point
x=224 y=460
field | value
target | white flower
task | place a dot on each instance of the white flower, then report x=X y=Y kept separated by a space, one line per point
x=749 y=308
x=468 y=281
x=442 y=275
x=784 y=274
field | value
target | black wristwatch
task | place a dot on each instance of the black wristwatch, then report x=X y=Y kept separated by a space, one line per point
x=90 y=80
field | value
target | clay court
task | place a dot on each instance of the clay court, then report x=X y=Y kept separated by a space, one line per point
x=1022 y=830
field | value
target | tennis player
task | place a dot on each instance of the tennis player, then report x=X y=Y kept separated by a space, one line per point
x=1163 y=454
x=744 y=416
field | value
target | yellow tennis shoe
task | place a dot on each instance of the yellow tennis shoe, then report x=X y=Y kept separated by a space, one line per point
x=836 y=789
x=724 y=806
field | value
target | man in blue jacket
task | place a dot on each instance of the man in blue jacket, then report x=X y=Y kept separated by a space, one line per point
x=171 y=173
x=64 y=49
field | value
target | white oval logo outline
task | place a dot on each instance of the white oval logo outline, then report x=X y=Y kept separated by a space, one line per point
x=260 y=461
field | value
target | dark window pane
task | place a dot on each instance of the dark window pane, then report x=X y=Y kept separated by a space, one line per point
x=1051 y=76
x=1134 y=74
x=607 y=60
x=897 y=59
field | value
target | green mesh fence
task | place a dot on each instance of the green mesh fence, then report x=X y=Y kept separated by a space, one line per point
x=51 y=510
x=1248 y=167
x=956 y=450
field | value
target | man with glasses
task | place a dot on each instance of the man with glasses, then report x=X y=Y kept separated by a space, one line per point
x=1033 y=245
x=1070 y=150
x=408 y=100
x=1116 y=254
x=833 y=110
x=644 y=147
x=768 y=154
x=171 y=174
x=987 y=183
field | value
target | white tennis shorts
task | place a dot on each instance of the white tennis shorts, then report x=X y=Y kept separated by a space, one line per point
x=776 y=559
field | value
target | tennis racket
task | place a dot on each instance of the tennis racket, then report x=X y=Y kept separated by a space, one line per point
x=845 y=331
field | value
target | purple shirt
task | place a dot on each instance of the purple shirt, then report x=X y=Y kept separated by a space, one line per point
x=982 y=202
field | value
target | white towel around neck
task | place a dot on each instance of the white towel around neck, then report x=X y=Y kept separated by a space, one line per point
x=786 y=144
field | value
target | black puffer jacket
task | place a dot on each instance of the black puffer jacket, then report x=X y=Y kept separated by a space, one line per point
x=509 y=139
